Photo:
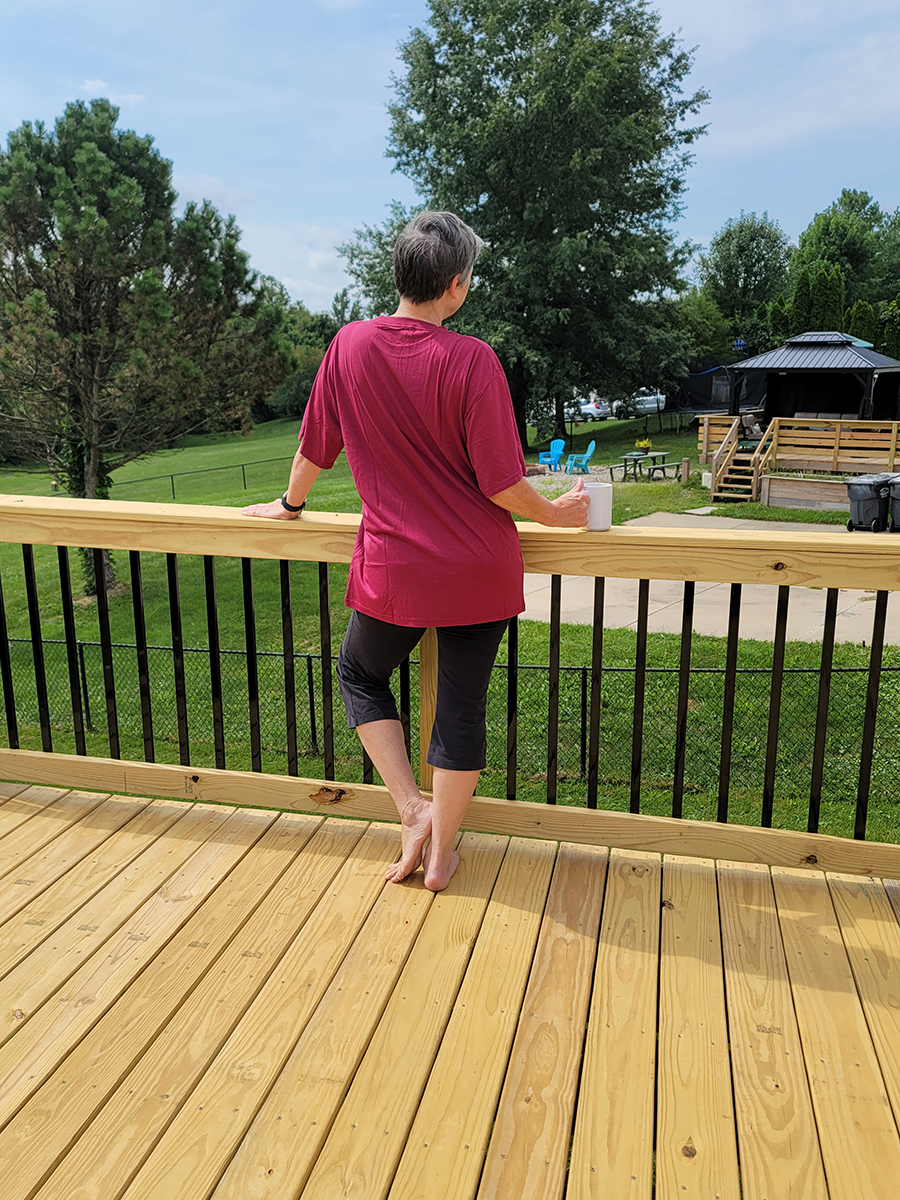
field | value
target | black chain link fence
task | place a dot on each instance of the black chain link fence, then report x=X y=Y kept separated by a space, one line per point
x=704 y=725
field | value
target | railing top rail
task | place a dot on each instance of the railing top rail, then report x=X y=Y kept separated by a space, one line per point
x=819 y=558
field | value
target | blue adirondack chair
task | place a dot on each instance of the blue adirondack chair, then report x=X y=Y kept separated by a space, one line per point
x=552 y=458
x=579 y=462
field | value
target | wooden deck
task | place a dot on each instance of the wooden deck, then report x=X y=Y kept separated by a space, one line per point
x=207 y=1001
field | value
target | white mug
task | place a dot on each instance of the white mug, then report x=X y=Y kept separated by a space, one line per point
x=600 y=509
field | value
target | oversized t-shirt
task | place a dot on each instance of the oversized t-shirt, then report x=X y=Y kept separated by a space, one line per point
x=426 y=419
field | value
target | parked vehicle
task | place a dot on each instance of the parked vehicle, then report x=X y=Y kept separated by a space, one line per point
x=642 y=402
x=594 y=408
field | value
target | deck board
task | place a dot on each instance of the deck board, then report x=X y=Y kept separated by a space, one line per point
x=207 y=1002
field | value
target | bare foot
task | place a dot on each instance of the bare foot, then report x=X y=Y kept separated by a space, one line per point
x=414 y=833
x=439 y=872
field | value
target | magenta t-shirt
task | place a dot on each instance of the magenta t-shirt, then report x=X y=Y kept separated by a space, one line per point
x=426 y=419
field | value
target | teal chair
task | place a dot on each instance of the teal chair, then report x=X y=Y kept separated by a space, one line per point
x=579 y=462
x=552 y=458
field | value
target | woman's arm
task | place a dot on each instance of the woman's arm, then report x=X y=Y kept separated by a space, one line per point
x=568 y=511
x=303 y=476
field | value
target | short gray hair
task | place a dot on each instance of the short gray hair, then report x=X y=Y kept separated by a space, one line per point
x=431 y=251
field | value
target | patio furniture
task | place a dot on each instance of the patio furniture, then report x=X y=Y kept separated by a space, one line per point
x=630 y=464
x=552 y=458
x=579 y=462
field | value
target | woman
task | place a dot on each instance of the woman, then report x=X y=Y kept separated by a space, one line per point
x=426 y=420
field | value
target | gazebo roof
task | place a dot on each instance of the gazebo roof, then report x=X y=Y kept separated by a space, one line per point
x=822 y=351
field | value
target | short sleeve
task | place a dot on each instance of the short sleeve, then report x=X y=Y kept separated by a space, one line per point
x=321 y=438
x=492 y=439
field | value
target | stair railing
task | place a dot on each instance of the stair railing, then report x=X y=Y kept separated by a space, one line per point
x=764 y=452
x=724 y=455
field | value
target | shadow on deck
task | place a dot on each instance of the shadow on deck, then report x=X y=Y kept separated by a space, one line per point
x=201 y=1001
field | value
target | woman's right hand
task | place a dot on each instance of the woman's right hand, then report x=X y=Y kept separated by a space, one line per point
x=572 y=508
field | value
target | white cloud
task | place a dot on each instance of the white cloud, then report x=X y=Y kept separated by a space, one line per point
x=304 y=257
x=209 y=187
x=95 y=88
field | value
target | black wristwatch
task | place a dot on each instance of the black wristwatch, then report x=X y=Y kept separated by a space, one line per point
x=292 y=508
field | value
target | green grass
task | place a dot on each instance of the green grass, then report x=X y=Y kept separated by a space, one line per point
x=751 y=511
x=334 y=491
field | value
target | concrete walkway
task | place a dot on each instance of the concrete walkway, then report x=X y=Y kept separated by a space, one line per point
x=806 y=613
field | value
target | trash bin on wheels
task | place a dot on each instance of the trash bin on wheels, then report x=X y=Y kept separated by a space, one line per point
x=870 y=499
x=895 y=504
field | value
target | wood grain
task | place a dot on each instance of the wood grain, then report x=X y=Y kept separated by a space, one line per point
x=612 y=1150
x=445 y=1149
x=112 y=1148
x=367 y=1138
x=512 y=818
x=198 y=1145
x=872 y=940
x=69 y=847
x=29 y=1057
x=857 y=1132
x=122 y=854
x=779 y=1145
x=44 y=1128
x=529 y=1148
x=32 y=836
x=816 y=559
x=279 y=1149
x=696 y=1149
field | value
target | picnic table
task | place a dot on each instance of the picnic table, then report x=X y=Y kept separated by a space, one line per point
x=631 y=462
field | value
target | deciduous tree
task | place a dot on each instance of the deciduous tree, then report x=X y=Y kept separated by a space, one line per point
x=560 y=132
x=745 y=266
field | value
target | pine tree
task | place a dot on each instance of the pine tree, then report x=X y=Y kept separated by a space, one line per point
x=800 y=314
x=862 y=322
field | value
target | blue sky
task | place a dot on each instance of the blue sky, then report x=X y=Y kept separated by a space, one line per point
x=276 y=111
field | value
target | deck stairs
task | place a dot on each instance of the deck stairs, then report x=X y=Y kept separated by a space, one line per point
x=736 y=482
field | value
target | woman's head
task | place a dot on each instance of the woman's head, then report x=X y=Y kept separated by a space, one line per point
x=431 y=251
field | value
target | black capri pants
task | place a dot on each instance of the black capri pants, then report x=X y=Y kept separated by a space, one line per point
x=371 y=651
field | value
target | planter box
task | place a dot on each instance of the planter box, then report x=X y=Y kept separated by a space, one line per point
x=782 y=492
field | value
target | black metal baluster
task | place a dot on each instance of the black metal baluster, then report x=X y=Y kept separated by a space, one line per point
x=406 y=706
x=553 y=697
x=684 y=693
x=143 y=662
x=311 y=693
x=583 y=722
x=368 y=774
x=640 y=686
x=596 y=677
x=85 y=693
x=184 y=748
x=215 y=659
x=868 y=739
x=818 y=764
x=252 y=664
x=287 y=645
x=512 y=707
x=731 y=653
x=68 y=609
x=327 y=692
x=106 y=654
x=781 y=616
x=37 y=649
x=9 y=697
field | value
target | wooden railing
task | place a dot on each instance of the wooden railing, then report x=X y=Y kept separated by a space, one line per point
x=833 y=446
x=711 y=433
x=820 y=559
x=763 y=456
x=724 y=455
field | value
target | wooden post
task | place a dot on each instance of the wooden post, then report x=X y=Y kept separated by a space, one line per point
x=685 y=471
x=893 y=455
x=704 y=449
x=427 y=699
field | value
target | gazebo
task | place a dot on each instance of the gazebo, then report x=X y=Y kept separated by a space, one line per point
x=829 y=373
